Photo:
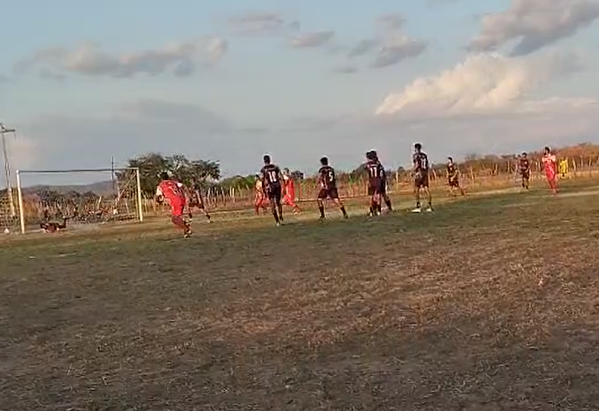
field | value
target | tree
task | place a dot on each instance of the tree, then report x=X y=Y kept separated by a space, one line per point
x=189 y=172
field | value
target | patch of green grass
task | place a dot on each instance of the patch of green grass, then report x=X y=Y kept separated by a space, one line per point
x=489 y=303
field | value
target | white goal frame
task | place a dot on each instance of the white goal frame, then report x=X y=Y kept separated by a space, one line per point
x=83 y=170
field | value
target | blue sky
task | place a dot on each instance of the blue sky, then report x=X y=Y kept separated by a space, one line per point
x=456 y=79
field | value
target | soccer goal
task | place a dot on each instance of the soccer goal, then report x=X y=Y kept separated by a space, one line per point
x=82 y=198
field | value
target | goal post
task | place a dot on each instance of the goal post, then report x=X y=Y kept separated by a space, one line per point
x=79 y=196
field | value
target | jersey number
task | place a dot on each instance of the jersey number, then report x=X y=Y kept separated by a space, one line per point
x=272 y=176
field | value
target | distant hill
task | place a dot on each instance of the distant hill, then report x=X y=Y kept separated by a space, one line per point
x=101 y=188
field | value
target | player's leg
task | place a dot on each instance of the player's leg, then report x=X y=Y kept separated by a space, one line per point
x=177 y=209
x=429 y=196
x=334 y=195
x=384 y=197
x=258 y=202
x=271 y=194
x=417 y=187
x=288 y=200
x=202 y=206
x=372 y=207
x=322 y=195
x=277 y=200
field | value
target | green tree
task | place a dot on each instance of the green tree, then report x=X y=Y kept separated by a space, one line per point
x=189 y=172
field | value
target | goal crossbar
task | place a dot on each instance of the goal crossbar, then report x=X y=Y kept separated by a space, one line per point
x=82 y=170
x=78 y=170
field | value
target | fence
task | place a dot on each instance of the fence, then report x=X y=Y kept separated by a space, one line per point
x=32 y=208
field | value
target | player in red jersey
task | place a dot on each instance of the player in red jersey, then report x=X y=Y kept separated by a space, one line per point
x=328 y=188
x=272 y=183
x=260 y=201
x=524 y=169
x=549 y=161
x=289 y=191
x=174 y=192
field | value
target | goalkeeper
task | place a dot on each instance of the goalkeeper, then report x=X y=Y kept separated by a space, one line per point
x=174 y=192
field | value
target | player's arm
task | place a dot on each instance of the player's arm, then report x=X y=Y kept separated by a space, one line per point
x=159 y=196
x=263 y=179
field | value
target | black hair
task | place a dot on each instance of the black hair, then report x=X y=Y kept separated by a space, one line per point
x=450 y=159
x=418 y=146
x=324 y=161
x=266 y=159
x=164 y=175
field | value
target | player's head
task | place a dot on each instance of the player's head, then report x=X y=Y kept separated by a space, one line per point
x=266 y=159
x=449 y=160
x=371 y=155
x=286 y=172
x=324 y=161
x=546 y=150
x=164 y=175
x=417 y=147
x=524 y=155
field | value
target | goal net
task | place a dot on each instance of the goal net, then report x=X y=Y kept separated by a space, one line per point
x=81 y=197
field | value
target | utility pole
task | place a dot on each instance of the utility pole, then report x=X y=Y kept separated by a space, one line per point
x=7 y=174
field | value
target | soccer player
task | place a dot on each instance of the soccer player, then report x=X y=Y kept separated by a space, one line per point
x=549 y=161
x=375 y=182
x=563 y=167
x=453 y=177
x=197 y=200
x=524 y=169
x=289 y=191
x=174 y=192
x=328 y=187
x=261 y=202
x=271 y=177
x=420 y=171
x=383 y=187
x=52 y=227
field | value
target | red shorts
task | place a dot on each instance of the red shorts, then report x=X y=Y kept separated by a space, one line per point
x=288 y=200
x=177 y=206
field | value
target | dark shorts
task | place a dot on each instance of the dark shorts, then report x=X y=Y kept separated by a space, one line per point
x=421 y=180
x=331 y=193
x=454 y=182
x=274 y=193
x=376 y=187
x=525 y=174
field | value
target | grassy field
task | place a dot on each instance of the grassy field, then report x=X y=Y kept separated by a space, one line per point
x=491 y=303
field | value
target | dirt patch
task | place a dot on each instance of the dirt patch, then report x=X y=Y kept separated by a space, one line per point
x=479 y=306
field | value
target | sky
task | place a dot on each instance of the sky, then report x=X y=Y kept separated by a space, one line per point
x=83 y=82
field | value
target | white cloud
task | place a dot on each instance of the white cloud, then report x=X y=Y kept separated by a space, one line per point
x=313 y=39
x=89 y=59
x=534 y=24
x=482 y=82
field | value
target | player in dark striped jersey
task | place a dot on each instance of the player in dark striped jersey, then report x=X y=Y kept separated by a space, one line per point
x=383 y=184
x=376 y=182
x=272 y=184
x=328 y=187
x=420 y=171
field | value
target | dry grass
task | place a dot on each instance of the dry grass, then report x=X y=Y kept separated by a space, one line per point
x=489 y=304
